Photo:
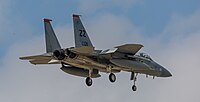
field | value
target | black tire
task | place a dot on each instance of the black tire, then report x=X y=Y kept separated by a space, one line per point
x=134 y=88
x=112 y=77
x=88 y=81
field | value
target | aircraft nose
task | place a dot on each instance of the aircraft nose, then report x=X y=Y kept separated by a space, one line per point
x=166 y=73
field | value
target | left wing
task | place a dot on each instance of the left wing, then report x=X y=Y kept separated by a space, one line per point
x=121 y=51
x=129 y=48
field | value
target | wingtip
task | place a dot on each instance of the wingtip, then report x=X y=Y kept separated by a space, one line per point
x=47 y=20
x=141 y=45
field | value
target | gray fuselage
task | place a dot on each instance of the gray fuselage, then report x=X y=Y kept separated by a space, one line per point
x=137 y=64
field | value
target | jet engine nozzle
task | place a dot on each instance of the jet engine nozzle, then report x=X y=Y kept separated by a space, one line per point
x=70 y=53
x=59 y=54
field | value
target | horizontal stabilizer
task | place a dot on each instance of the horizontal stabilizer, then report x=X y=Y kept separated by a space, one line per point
x=44 y=61
x=35 y=57
x=46 y=58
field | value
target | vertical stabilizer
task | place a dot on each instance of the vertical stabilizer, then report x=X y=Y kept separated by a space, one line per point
x=80 y=34
x=52 y=43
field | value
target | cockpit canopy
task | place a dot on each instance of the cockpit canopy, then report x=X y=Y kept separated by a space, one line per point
x=144 y=55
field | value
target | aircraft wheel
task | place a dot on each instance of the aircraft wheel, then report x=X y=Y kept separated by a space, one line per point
x=88 y=81
x=112 y=77
x=134 y=88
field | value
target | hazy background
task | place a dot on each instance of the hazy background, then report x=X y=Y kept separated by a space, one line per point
x=169 y=31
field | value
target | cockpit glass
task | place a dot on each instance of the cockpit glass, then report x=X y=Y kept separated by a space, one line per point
x=145 y=56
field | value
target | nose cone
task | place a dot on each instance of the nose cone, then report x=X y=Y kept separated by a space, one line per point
x=165 y=73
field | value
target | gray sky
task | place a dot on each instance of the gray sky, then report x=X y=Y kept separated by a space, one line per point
x=174 y=45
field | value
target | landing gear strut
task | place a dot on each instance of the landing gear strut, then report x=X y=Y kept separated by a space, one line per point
x=88 y=80
x=112 y=77
x=134 y=78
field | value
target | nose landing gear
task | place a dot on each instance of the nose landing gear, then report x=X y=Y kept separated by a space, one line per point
x=134 y=88
x=134 y=78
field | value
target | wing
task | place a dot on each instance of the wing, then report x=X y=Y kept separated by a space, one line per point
x=121 y=51
x=129 y=48
x=83 y=50
x=46 y=58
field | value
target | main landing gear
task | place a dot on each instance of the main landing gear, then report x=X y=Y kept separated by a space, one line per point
x=134 y=78
x=112 y=77
x=88 y=80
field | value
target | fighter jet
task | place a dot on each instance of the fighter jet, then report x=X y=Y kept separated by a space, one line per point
x=85 y=61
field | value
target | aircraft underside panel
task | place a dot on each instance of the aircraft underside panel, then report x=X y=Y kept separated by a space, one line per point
x=87 y=63
x=133 y=65
x=80 y=72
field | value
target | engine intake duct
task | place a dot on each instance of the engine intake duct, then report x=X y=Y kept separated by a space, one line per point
x=80 y=72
